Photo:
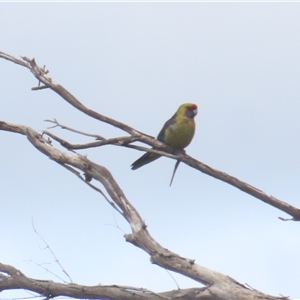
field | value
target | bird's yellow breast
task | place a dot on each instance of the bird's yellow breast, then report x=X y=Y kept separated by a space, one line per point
x=181 y=133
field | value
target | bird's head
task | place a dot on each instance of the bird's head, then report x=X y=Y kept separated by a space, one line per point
x=189 y=110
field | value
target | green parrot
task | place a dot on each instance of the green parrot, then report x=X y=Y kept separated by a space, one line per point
x=177 y=132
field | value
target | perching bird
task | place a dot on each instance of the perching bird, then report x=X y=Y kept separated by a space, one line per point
x=177 y=132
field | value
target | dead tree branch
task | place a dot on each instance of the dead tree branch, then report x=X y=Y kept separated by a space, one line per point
x=135 y=135
x=217 y=285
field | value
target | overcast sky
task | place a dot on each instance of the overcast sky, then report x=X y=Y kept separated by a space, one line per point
x=137 y=62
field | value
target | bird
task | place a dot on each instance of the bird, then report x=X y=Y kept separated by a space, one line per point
x=177 y=132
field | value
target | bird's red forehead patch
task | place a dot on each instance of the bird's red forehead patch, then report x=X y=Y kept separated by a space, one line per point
x=193 y=106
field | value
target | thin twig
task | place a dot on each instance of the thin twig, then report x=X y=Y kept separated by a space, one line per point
x=116 y=223
x=47 y=270
x=173 y=278
x=57 y=124
x=38 y=88
x=118 y=141
x=48 y=247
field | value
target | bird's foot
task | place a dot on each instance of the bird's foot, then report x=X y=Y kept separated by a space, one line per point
x=178 y=151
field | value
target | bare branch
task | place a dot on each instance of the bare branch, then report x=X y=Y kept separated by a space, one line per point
x=53 y=254
x=243 y=186
x=40 y=74
x=118 y=141
x=14 y=60
x=41 y=265
x=217 y=284
x=50 y=289
x=57 y=124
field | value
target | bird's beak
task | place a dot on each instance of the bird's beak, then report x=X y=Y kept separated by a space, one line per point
x=195 y=111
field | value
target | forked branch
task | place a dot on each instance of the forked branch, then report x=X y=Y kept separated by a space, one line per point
x=42 y=75
x=217 y=285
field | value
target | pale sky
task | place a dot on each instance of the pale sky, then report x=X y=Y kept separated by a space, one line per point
x=137 y=62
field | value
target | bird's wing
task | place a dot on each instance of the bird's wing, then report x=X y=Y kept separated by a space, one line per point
x=143 y=160
x=168 y=124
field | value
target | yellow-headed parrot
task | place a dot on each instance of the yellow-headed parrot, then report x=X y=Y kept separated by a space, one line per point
x=177 y=132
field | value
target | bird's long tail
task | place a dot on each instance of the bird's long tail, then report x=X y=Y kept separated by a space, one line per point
x=143 y=160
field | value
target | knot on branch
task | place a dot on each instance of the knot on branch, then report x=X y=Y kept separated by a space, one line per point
x=130 y=238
